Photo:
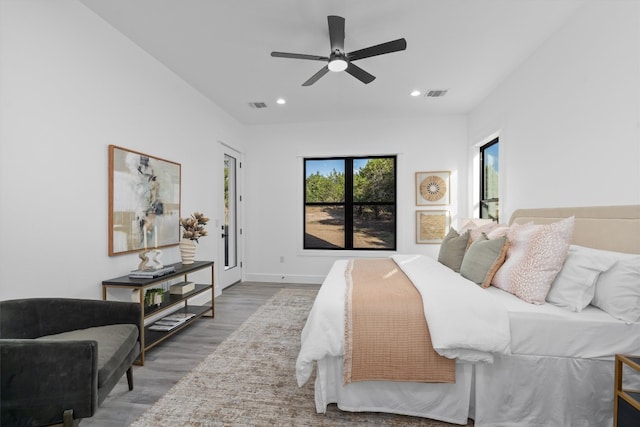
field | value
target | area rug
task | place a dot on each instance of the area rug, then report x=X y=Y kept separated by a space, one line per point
x=249 y=380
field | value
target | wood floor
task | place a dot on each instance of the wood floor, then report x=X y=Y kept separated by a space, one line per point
x=166 y=363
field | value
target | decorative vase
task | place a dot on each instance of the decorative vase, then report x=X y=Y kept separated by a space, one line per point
x=187 y=251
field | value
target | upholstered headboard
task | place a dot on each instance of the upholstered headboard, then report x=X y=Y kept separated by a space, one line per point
x=612 y=228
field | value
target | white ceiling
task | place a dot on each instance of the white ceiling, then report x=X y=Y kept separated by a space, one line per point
x=222 y=48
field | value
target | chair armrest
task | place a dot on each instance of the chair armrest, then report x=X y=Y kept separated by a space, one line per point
x=41 y=379
x=35 y=317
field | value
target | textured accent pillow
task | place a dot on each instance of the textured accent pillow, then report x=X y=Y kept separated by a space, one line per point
x=618 y=289
x=477 y=227
x=498 y=231
x=575 y=284
x=452 y=249
x=534 y=258
x=483 y=258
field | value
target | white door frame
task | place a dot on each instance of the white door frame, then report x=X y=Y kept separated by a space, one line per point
x=230 y=238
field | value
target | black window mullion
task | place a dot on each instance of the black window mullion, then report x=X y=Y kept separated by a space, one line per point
x=348 y=203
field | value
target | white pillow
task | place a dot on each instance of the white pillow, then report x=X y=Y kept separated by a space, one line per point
x=618 y=290
x=575 y=284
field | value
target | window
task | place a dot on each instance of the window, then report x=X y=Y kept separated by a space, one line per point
x=350 y=203
x=489 y=173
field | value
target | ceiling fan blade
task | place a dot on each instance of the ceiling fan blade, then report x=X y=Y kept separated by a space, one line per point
x=298 y=56
x=336 y=32
x=360 y=74
x=380 y=49
x=324 y=70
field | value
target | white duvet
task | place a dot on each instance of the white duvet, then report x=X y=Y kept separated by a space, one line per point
x=465 y=322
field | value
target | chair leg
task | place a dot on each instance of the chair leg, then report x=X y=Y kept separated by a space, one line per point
x=130 y=377
x=67 y=419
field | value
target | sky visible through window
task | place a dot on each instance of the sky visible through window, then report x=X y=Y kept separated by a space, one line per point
x=491 y=157
x=325 y=167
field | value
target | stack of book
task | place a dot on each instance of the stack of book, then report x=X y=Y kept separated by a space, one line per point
x=171 y=321
x=151 y=274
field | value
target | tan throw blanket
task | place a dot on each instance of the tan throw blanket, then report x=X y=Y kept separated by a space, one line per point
x=386 y=333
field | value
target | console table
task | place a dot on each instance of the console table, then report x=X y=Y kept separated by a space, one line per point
x=170 y=304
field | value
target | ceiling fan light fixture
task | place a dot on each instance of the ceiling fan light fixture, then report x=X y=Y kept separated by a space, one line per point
x=338 y=64
x=338 y=59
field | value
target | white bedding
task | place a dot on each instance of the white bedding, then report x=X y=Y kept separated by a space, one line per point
x=465 y=323
x=547 y=330
x=560 y=359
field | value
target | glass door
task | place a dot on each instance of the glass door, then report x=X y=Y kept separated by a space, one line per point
x=230 y=230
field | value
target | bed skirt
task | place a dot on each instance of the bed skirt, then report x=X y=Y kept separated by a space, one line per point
x=444 y=402
x=514 y=391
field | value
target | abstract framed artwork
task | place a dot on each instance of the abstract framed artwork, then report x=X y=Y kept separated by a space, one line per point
x=144 y=201
x=432 y=188
x=431 y=226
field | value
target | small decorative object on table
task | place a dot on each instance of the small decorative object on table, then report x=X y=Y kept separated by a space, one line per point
x=156 y=254
x=150 y=260
x=182 y=288
x=153 y=297
x=193 y=229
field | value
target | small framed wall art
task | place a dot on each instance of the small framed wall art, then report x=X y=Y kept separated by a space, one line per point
x=144 y=201
x=431 y=226
x=432 y=188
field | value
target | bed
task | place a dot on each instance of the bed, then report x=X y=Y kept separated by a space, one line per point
x=557 y=368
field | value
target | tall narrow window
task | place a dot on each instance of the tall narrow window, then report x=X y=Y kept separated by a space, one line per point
x=489 y=173
x=350 y=203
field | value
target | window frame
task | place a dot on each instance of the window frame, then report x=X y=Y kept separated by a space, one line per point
x=349 y=204
x=482 y=196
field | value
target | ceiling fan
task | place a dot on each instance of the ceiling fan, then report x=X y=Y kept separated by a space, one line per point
x=339 y=60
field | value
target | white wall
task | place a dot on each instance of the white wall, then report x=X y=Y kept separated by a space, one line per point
x=71 y=85
x=570 y=115
x=274 y=178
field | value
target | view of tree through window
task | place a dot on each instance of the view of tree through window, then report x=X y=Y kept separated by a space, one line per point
x=350 y=203
x=489 y=170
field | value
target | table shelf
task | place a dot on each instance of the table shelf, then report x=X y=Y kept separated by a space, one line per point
x=171 y=303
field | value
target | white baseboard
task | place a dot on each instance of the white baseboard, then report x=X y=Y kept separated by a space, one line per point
x=283 y=278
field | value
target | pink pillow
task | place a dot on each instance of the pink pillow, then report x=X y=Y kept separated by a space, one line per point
x=534 y=258
x=476 y=228
x=498 y=231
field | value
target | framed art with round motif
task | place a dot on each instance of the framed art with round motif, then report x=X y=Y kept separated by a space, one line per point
x=432 y=188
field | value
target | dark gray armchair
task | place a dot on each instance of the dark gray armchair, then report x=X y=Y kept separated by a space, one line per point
x=60 y=358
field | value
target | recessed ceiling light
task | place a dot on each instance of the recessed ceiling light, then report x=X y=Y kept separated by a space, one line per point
x=281 y=101
x=415 y=93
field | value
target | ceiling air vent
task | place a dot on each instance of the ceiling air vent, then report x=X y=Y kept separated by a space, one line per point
x=437 y=93
x=257 y=105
